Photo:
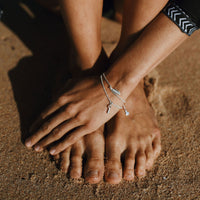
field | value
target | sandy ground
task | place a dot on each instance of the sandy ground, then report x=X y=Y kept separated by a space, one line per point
x=32 y=48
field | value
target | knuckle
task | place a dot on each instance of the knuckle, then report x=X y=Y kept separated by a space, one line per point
x=61 y=100
x=90 y=126
x=56 y=132
x=80 y=117
x=70 y=109
x=73 y=138
x=45 y=127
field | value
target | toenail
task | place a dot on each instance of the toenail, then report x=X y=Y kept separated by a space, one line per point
x=92 y=174
x=75 y=174
x=141 y=173
x=113 y=175
x=129 y=175
x=28 y=143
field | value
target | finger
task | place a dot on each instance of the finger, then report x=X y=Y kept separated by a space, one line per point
x=35 y=125
x=70 y=139
x=57 y=133
x=48 y=126
x=61 y=101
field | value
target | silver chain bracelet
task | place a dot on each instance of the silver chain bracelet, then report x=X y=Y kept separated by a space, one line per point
x=116 y=93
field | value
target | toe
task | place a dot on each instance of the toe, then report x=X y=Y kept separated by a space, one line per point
x=156 y=146
x=149 y=157
x=94 y=169
x=64 y=163
x=140 y=164
x=76 y=162
x=113 y=167
x=129 y=163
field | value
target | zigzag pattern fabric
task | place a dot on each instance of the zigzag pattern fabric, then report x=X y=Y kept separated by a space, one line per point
x=180 y=18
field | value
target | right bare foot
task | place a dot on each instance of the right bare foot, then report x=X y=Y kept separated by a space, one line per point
x=134 y=139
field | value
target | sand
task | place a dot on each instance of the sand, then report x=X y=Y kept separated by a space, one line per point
x=32 y=48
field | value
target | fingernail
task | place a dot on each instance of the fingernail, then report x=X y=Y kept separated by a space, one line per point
x=92 y=174
x=52 y=151
x=28 y=143
x=113 y=175
x=37 y=148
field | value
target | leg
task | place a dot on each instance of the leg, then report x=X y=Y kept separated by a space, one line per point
x=83 y=22
x=140 y=141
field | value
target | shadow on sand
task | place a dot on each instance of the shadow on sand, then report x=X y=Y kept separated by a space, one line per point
x=33 y=77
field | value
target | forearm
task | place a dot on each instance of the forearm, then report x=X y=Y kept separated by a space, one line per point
x=156 y=42
x=83 y=23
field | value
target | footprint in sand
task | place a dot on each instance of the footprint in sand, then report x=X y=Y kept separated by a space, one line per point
x=177 y=103
x=173 y=102
x=166 y=100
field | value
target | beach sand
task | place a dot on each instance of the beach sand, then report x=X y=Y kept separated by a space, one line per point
x=33 y=47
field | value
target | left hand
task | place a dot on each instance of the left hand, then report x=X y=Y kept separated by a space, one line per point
x=79 y=111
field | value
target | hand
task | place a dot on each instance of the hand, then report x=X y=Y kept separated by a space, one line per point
x=77 y=112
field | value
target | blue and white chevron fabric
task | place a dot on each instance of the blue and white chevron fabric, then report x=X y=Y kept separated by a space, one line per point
x=180 y=18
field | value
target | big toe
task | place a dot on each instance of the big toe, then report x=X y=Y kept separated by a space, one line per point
x=94 y=169
x=113 y=166
x=113 y=171
x=94 y=166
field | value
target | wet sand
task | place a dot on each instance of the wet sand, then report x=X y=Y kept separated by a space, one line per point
x=32 y=48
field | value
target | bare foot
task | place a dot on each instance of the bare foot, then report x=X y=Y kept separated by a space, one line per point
x=134 y=139
x=92 y=148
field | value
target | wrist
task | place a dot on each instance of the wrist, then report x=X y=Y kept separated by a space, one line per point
x=123 y=81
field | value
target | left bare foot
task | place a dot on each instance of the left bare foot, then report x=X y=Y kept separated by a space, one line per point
x=137 y=137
